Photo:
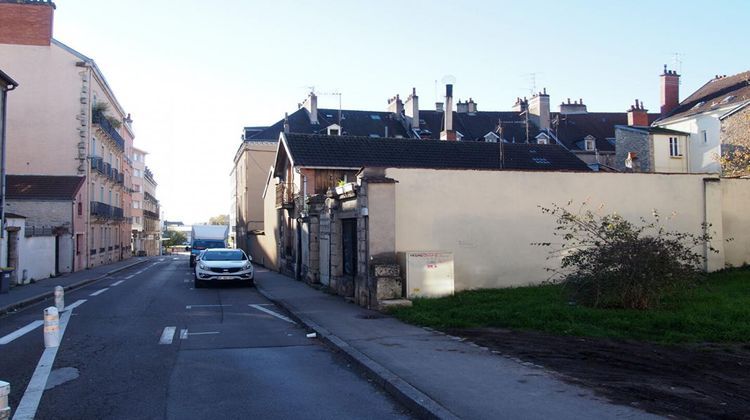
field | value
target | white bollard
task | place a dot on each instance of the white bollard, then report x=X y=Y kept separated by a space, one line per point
x=4 y=407
x=59 y=298
x=51 y=327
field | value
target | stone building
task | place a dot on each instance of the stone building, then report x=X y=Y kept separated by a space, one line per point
x=151 y=224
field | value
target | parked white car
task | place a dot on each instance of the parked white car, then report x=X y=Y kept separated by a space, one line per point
x=223 y=264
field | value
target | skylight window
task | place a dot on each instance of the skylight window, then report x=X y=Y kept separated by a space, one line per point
x=699 y=104
x=541 y=161
x=375 y=136
x=375 y=116
x=727 y=99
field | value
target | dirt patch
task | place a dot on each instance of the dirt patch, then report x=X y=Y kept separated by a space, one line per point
x=696 y=381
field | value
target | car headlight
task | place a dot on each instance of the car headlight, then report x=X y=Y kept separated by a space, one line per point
x=203 y=266
x=247 y=265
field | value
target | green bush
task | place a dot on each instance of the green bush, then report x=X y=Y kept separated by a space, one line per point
x=609 y=262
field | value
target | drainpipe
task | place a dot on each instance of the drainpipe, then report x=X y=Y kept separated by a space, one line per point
x=3 y=101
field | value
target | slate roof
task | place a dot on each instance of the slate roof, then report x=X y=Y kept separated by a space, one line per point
x=572 y=129
x=474 y=126
x=42 y=187
x=716 y=93
x=357 y=152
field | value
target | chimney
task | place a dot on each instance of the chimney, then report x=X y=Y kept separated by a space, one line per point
x=670 y=91
x=286 y=122
x=521 y=105
x=26 y=22
x=439 y=107
x=448 y=133
x=573 y=108
x=396 y=106
x=638 y=115
x=472 y=106
x=462 y=107
x=411 y=108
x=311 y=105
x=539 y=108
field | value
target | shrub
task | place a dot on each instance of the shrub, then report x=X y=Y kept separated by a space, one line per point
x=609 y=262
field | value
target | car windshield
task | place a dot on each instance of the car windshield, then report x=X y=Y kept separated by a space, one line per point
x=204 y=244
x=224 y=256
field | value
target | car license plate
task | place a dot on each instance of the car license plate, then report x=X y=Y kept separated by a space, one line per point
x=225 y=277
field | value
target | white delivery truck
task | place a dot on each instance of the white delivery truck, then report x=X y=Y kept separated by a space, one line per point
x=205 y=237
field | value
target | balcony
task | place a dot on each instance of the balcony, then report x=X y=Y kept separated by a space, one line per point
x=99 y=118
x=150 y=215
x=105 y=211
x=285 y=196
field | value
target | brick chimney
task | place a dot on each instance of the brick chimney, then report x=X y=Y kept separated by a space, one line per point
x=539 y=108
x=670 y=91
x=311 y=104
x=396 y=106
x=411 y=108
x=638 y=115
x=26 y=22
x=448 y=132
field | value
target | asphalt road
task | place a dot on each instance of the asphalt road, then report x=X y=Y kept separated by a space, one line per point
x=146 y=345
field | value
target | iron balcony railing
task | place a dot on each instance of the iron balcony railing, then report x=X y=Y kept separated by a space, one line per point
x=99 y=118
x=150 y=215
x=285 y=196
x=106 y=211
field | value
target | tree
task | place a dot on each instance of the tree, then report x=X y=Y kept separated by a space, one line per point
x=222 y=219
x=174 y=238
x=609 y=262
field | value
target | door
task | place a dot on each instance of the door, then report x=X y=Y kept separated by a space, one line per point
x=349 y=243
x=57 y=255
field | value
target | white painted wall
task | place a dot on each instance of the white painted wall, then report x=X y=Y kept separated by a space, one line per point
x=702 y=157
x=37 y=257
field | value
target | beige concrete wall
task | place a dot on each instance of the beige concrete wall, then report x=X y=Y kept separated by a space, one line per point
x=489 y=219
x=665 y=163
x=382 y=218
x=263 y=248
x=42 y=111
x=736 y=220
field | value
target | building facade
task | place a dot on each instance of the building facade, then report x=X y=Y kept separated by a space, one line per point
x=67 y=121
x=151 y=212
x=138 y=236
x=6 y=84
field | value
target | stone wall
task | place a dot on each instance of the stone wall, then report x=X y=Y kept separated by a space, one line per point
x=628 y=141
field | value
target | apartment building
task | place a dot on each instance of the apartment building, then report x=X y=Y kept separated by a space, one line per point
x=65 y=120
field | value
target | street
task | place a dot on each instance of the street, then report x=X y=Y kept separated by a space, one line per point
x=143 y=343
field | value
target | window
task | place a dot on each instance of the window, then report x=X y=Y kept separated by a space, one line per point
x=375 y=117
x=541 y=141
x=590 y=144
x=674 y=147
x=136 y=204
x=80 y=208
x=93 y=147
x=101 y=194
x=137 y=173
x=704 y=136
x=540 y=161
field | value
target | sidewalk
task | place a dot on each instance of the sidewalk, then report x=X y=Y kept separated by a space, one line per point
x=433 y=374
x=29 y=294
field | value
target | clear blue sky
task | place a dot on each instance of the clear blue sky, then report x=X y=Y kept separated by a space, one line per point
x=193 y=73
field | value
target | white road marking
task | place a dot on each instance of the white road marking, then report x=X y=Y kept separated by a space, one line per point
x=202 y=333
x=161 y=259
x=272 y=313
x=99 y=292
x=130 y=277
x=167 y=335
x=74 y=305
x=204 y=306
x=117 y=283
x=26 y=409
x=20 y=332
x=183 y=334
x=175 y=259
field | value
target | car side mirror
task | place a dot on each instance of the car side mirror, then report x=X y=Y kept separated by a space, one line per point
x=187 y=248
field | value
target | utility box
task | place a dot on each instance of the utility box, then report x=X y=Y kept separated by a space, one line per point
x=427 y=273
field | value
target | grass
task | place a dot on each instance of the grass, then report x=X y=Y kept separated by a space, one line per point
x=717 y=311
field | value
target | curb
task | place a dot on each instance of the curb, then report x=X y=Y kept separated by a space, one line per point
x=415 y=400
x=43 y=296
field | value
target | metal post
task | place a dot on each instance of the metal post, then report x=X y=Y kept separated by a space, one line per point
x=4 y=407
x=59 y=298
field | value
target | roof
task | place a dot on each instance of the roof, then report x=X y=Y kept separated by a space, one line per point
x=8 y=82
x=42 y=187
x=572 y=129
x=651 y=130
x=717 y=93
x=320 y=151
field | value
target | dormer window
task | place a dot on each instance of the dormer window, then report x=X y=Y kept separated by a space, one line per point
x=333 y=130
x=491 y=137
x=589 y=143
x=542 y=139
